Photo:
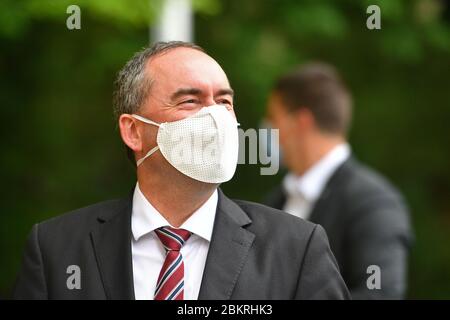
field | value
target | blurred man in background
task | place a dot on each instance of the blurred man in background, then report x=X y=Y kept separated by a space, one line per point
x=364 y=216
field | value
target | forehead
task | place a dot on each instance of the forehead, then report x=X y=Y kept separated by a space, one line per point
x=186 y=67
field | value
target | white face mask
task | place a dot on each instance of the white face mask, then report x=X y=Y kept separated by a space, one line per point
x=203 y=146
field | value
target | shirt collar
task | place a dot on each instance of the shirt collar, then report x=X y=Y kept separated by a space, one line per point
x=145 y=218
x=311 y=184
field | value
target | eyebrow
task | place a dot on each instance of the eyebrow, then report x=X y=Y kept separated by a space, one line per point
x=224 y=92
x=196 y=91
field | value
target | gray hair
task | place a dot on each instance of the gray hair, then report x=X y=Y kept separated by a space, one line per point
x=133 y=84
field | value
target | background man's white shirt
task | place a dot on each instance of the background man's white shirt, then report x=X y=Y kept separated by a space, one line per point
x=303 y=191
x=148 y=253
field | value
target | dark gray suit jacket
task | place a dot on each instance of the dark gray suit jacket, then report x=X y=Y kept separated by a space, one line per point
x=256 y=252
x=367 y=223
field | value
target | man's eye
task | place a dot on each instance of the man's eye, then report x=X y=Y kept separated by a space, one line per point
x=226 y=102
x=190 y=101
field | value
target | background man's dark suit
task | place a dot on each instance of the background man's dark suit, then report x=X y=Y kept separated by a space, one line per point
x=256 y=252
x=367 y=224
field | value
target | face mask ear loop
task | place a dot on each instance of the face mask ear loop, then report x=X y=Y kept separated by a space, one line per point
x=145 y=120
x=139 y=162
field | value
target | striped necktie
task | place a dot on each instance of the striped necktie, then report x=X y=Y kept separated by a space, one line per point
x=170 y=285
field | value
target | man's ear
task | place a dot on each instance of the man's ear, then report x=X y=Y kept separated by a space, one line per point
x=130 y=133
x=305 y=120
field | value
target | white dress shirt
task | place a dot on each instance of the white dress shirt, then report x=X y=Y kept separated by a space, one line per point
x=148 y=253
x=303 y=191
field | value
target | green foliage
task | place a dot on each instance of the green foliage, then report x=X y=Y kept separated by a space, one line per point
x=60 y=149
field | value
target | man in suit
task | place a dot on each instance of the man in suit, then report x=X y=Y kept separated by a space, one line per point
x=178 y=236
x=363 y=214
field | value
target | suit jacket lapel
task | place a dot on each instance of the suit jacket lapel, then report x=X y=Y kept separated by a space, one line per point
x=228 y=250
x=322 y=207
x=325 y=205
x=112 y=245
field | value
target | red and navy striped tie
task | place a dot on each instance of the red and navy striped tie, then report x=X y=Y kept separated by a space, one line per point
x=170 y=284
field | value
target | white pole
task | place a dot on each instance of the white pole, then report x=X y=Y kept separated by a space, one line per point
x=175 y=22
